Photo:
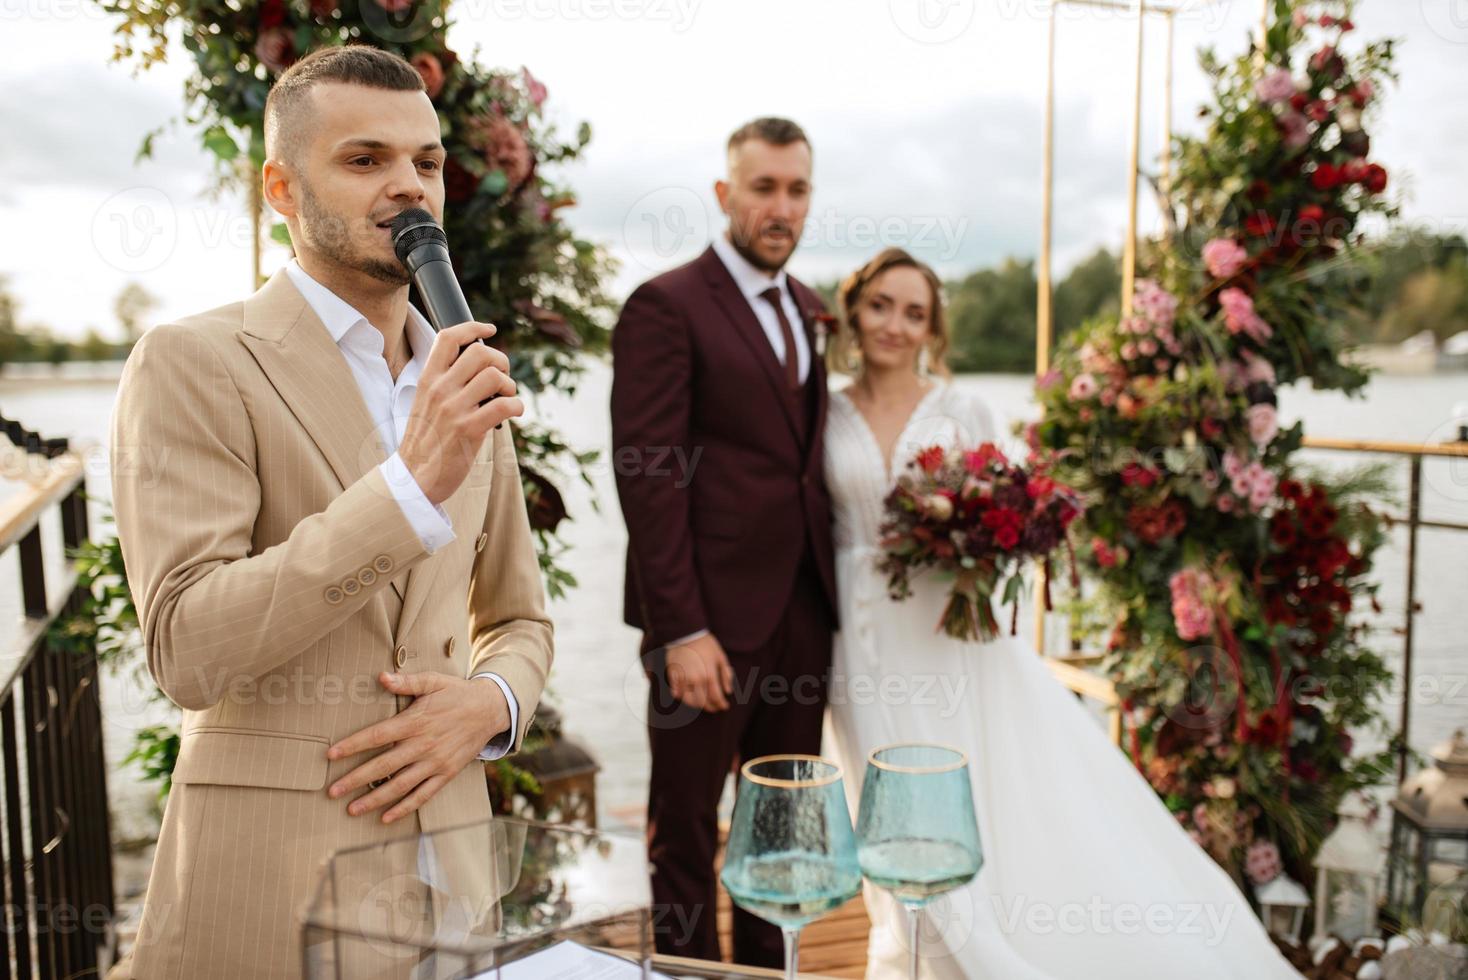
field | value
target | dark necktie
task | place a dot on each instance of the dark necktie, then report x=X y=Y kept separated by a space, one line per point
x=792 y=359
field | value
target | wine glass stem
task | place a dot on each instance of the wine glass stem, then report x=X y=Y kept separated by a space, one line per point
x=792 y=952
x=912 y=941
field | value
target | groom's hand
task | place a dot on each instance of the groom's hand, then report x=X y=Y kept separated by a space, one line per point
x=699 y=674
x=448 y=724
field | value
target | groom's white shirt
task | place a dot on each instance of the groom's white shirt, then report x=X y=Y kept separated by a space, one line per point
x=752 y=282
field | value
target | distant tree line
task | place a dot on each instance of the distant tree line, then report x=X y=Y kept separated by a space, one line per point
x=1417 y=280
x=38 y=344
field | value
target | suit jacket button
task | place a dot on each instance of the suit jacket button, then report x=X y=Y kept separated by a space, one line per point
x=400 y=657
x=382 y=563
x=448 y=648
x=334 y=595
x=351 y=586
x=480 y=541
x=367 y=576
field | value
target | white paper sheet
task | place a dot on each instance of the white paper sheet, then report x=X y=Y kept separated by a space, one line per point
x=569 y=961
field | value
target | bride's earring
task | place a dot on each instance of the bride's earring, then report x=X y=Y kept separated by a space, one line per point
x=922 y=364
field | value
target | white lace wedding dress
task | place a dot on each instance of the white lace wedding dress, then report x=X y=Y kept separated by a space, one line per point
x=1086 y=875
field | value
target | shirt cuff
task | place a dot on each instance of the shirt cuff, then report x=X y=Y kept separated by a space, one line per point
x=688 y=639
x=499 y=746
x=428 y=519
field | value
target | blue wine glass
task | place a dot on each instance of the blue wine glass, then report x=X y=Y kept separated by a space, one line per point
x=916 y=830
x=791 y=856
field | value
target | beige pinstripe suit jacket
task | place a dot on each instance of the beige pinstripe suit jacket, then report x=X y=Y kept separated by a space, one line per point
x=275 y=576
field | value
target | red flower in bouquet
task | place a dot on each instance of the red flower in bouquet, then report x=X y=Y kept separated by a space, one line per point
x=976 y=516
x=1326 y=177
x=931 y=459
x=1375 y=178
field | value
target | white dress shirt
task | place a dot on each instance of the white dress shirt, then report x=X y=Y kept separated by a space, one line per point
x=753 y=282
x=389 y=404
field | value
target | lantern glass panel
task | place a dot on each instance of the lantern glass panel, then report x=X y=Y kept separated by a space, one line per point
x=1284 y=921
x=1451 y=850
x=1405 y=844
x=1349 y=899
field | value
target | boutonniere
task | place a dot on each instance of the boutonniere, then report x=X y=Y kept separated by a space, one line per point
x=824 y=324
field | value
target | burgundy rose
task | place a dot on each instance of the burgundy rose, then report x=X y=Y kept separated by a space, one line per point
x=1326 y=177
x=1318 y=111
x=503 y=146
x=276 y=49
x=323 y=9
x=1259 y=224
x=432 y=71
x=272 y=14
x=458 y=183
x=1375 y=179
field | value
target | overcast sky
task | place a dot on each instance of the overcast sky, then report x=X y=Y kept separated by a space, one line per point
x=925 y=116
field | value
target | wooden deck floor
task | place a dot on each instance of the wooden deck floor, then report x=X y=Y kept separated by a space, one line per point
x=835 y=946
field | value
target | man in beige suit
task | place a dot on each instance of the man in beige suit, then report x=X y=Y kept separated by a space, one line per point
x=326 y=537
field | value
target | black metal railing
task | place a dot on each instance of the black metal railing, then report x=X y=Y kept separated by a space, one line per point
x=57 y=883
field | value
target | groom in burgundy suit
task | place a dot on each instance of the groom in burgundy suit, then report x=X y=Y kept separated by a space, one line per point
x=718 y=405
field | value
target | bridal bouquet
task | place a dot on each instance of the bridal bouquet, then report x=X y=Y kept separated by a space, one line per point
x=976 y=516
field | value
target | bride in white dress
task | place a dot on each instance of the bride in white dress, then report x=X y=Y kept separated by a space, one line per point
x=1086 y=875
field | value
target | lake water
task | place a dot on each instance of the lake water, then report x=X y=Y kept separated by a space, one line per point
x=597 y=682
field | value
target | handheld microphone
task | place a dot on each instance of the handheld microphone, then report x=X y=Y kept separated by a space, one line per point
x=423 y=248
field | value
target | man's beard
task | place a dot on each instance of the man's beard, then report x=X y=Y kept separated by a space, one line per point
x=745 y=247
x=331 y=235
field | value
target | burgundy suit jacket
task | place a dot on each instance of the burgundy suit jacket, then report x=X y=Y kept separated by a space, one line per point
x=718 y=468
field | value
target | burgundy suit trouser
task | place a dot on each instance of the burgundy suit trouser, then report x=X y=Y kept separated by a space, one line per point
x=777 y=706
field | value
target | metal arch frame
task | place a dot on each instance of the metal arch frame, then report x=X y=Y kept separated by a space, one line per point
x=1044 y=318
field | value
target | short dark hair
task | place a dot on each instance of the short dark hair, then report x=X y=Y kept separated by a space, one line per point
x=768 y=129
x=287 y=105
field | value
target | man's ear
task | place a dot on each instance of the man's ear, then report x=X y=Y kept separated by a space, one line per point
x=721 y=191
x=276 y=188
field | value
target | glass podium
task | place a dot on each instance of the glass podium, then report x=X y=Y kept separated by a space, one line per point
x=469 y=902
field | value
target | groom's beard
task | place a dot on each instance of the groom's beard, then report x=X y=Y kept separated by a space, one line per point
x=745 y=248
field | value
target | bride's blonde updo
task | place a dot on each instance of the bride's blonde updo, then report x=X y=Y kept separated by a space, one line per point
x=845 y=352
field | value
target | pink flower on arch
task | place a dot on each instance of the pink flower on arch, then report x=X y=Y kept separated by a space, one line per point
x=1155 y=303
x=1224 y=257
x=1191 y=613
x=1239 y=315
x=1263 y=424
x=1277 y=86
x=1082 y=387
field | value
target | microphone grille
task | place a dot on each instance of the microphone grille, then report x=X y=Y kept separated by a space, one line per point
x=412 y=228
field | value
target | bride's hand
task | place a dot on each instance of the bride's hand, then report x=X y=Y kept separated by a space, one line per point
x=699 y=674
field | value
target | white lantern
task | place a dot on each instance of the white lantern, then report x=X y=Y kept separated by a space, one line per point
x=1348 y=877
x=1282 y=904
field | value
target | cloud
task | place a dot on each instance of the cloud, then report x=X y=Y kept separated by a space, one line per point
x=81 y=125
x=959 y=186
